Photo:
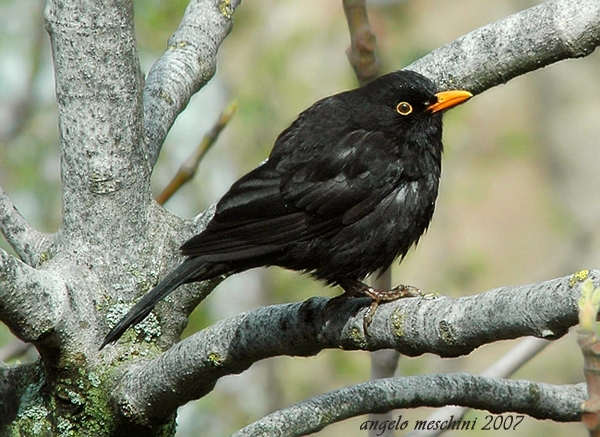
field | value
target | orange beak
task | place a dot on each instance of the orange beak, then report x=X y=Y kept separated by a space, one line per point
x=448 y=99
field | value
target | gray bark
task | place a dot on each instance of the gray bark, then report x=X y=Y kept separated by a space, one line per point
x=443 y=326
x=542 y=401
x=115 y=241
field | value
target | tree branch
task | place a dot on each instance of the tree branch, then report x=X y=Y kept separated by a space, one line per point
x=547 y=33
x=186 y=66
x=28 y=243
x=188 y=169
x=503 y=368
x=446 y=327
x=104 y=168
x=539 y=400
x=361 y=53
x=31 y=301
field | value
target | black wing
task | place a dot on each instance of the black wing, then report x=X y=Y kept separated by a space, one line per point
x=312 y=184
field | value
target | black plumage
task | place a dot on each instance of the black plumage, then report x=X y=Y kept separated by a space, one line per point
x=348 y=187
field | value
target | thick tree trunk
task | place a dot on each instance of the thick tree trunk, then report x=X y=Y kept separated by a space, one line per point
x=113 y=244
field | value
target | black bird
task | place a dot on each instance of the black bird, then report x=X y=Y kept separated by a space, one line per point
x=348 y=187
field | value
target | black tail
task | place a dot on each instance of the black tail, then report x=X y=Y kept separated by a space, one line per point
x=190 y=269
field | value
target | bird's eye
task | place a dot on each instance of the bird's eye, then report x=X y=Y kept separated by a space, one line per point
x=404 y=108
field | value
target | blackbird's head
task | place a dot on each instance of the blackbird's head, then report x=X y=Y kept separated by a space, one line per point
x=408 y=101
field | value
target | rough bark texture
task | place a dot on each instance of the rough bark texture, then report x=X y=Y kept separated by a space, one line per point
x=542 y=401
x=115 y=241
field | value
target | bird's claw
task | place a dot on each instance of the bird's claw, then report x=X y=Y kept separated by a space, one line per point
x=399 y=292
x=378 y=296
x=356 y=288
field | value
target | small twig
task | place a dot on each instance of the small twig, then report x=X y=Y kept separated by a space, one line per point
x=189 y=168
x=361 y=52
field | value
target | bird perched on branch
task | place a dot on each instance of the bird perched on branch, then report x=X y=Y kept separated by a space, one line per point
x=349 y=187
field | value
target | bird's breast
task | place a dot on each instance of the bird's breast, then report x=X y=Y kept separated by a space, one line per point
x=373 y=242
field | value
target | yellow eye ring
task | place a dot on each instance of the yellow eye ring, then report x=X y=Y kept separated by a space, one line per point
x=404 y=108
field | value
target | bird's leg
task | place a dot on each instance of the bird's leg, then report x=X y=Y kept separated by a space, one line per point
x=357 y=288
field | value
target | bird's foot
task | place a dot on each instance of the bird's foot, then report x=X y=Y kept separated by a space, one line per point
x=378 y=296
x=357 y=288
